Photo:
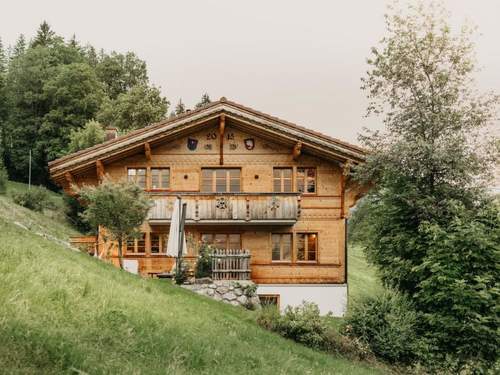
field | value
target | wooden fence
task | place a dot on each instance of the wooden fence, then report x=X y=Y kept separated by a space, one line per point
x=231 y=264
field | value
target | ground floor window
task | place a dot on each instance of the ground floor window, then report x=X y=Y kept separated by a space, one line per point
x=137 y=245
x=307 y=247
x=269 y=300
x=282 y=247
x=222 y=240
x=159 y=242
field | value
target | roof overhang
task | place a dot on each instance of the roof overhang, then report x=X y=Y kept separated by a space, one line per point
x=266 y=125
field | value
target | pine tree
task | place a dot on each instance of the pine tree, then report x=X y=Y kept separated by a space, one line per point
x=180 y=108
x=205 y=99
x=45 y=36
x=19 y=48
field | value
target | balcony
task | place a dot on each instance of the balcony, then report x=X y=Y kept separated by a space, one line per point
x=224 y=208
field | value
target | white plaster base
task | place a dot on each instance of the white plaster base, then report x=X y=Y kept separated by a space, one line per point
x=329 y=297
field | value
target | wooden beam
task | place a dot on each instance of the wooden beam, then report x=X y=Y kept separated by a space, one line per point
x=71 y=182
x=346 y=170
x=297 y=150
x=147 y=151
x=100 y=170
x=222 y=126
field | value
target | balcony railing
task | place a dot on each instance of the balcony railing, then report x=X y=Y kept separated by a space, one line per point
x=224 y=208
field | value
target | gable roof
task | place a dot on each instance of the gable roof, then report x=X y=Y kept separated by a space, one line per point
x=265 y=124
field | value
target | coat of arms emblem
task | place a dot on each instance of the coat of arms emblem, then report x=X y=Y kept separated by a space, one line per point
x=249 y=143
x=192 y=144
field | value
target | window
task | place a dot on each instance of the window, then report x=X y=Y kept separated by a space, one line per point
x=282 y=178
x=222 y=240
x=160 y=178
x=269 y=300
x=220 y=180
x=155 y=243
x=306 y=180
x=282 y=247
x=137 y=245
x=138 y=176
x=307 y=246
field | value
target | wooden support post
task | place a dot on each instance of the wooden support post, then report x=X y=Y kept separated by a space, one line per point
x=297 y=150
x=222 y=125
x=147 y=151
x=71 y=181
x=100 y=170
x=346 y=170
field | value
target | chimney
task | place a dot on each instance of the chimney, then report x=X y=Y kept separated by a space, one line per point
x=111 y=133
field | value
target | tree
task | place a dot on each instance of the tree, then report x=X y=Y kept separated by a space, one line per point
x=90 y=135
x=430 y=159
x=205 y=99
x=119 y=207
x=45 y=36
x=134 y=109
x=180 y=108
x=120 y=73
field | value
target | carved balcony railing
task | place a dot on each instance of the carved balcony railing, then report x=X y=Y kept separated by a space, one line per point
x=224 y=208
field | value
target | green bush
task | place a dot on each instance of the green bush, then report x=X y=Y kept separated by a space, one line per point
x=304 y=324
x=387 y=324
x=204 y=263
x=36 y=199
x=3 y=178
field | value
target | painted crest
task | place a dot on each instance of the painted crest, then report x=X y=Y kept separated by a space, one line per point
x=249 y=143
x=192 y=144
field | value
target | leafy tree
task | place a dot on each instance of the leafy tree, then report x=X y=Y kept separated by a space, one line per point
x=120 y=73
x=136 y=108
x=429 y=159
x=119 y=207
x=180 y=108
x=90 y=135
x=205 y=99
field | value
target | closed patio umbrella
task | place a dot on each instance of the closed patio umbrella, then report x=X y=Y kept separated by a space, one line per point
x=173 y=236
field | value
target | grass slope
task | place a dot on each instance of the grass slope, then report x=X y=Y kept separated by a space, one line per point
x=65 y=312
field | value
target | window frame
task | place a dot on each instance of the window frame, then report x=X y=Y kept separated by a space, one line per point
x=213 y=180
x=134 y=180
x=136 y=245
x=168 y=188
x=282 y=179
x=305 y=180
x=281 y=260
x=163 y=240
x=306 y=247
x=227 y=234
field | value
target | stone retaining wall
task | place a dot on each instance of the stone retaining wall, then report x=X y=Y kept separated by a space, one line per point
x=236 y=293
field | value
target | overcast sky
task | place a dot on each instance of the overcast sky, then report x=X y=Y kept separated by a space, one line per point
x=298 y=60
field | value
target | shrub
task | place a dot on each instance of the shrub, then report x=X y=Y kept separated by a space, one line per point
x=204 y=263
x=36 y=199
x=387 y=324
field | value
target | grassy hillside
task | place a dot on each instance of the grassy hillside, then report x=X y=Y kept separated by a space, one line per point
x=362 y=279
x=64 y=312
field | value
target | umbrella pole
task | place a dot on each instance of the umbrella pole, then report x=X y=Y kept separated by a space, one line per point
x=182 y=219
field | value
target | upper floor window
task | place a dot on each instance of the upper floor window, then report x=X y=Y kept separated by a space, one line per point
x=282 y=178
x=282 y=247
x=220 y=180
x=307 y=246
x=222 y=240
x=160 y=178
x=138 y=176
x=306 y=180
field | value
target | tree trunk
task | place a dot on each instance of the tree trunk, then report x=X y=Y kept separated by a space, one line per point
x=120 y=254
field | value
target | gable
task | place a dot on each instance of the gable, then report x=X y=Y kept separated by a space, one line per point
x=203 y=127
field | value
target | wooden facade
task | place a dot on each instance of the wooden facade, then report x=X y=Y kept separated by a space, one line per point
x=250 y=181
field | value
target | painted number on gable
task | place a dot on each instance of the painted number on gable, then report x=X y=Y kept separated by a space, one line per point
x=212 y=135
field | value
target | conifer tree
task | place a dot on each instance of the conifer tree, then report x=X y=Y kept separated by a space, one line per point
x=205 y=99
x=180 y=108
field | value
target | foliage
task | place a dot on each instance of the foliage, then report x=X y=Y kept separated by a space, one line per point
x=136 y=108
x=205 y=99
x=74 y=210
x=358 y=227
x=387 y=324
x=36 y=198
x=90 y=135
x=204 y=262
x=120 y=207
x=180 y=108
x=4 y=177
x=430 y=160
x=181 y=272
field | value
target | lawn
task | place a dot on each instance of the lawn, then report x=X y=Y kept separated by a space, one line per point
x=64 y=312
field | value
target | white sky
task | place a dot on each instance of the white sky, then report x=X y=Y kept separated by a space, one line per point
x=298 y=60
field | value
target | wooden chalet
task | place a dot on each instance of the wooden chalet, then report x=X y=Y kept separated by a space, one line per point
x=251 y=181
